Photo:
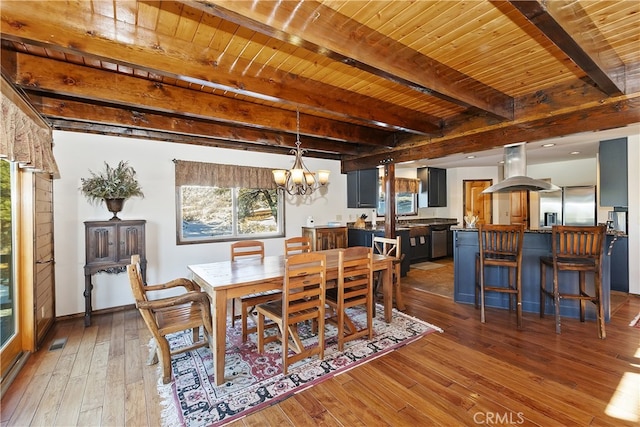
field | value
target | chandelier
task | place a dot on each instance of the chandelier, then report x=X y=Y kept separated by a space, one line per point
x=299 y=180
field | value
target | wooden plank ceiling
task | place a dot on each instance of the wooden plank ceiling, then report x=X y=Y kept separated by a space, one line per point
x=374 y=81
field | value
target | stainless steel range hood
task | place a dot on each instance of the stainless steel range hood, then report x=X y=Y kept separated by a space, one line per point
x=515 y=170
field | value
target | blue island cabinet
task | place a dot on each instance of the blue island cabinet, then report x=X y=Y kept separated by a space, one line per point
x=535 y=244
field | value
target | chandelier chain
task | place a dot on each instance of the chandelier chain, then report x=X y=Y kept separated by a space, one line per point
x=299 y=180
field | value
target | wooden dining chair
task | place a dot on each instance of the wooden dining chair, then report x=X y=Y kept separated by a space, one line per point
x=242 y=250
x=390 y=247
x=575 y=249
x=355 y=288
x=297 y=245
x=303 y=299
x=163 y=316
x=500 y=248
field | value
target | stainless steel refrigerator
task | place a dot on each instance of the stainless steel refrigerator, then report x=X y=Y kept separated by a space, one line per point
x=575 y=205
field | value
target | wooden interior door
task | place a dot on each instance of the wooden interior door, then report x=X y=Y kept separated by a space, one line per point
x=479 y=204
x=519 y=208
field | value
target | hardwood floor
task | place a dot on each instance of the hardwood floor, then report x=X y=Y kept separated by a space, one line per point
x=471 y=374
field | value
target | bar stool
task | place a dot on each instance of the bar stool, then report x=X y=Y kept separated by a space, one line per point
x=575 y=248
x=500 y=246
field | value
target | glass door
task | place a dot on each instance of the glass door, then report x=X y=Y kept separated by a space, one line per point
x=10 y=341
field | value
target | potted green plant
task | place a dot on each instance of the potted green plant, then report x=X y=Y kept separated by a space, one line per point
x=114 y=185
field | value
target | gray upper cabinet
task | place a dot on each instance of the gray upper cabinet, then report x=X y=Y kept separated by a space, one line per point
x=613 y=172
x=362 y=188
x=433 y=187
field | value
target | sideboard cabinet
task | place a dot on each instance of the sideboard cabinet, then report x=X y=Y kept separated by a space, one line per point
x=108 y=248
x=326 y=237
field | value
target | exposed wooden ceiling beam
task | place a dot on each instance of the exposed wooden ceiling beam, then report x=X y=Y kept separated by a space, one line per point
x=125 y=120
x=100 y=38
x=102 y=86
x=366 y=49
x=560 y=22
x=611 y=113
x=157 y=135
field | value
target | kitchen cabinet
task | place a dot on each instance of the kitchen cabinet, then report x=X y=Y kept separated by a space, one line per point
x=433 y=187
x=108 y=248
x=362 y=188
x=364 y=237
x=535 y=245
x=612 y=157
x=619 y=262
x=326 y=237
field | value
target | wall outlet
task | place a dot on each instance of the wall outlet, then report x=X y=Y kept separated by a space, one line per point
x=338 y=217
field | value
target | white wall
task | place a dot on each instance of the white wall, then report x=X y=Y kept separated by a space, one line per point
x=77 y=153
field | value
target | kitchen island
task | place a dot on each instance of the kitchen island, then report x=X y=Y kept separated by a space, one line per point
x=536 y=243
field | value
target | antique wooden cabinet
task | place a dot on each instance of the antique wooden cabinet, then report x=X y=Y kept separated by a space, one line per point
x=326 y=237
x=109 y=246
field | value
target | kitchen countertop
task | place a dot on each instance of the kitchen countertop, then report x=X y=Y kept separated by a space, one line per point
x=407 y=224
x=539 y=230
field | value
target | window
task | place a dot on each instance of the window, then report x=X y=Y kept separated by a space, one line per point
x=7 y=283
x=406 y=197
x=226 y=202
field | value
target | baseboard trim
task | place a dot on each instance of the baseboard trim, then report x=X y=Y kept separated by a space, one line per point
x=97 y=312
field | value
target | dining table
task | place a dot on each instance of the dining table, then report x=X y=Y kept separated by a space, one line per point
x=226 y=280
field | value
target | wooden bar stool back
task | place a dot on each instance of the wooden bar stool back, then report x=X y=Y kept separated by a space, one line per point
x=575 y=248
x=500 y=246
x=242 y=250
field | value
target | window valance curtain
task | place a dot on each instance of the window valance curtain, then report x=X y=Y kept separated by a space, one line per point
x=219 y=175
x=22 y=139
x=407 y=185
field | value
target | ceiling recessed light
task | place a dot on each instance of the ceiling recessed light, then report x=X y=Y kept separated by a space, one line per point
x=471 y=157
x=574 y=153
x=551 y=144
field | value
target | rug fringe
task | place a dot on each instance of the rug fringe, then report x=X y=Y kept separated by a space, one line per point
x=169 y=414
x=380 y=307
x=635 y=320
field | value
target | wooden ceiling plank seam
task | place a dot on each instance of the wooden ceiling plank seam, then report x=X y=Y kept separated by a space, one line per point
x=147 y=16
x=205 y=31
x=168 y=17
x=103 y=8
x=359 y=54
x=126 y=11
x=566 y=36
x=426 y=124
x=188 y=24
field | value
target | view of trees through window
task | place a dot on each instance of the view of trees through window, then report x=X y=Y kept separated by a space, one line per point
x=7 y=324
x=211 y=213
x=406 y=203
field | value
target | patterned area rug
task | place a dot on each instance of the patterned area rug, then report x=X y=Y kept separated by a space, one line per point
x=636 y=321
x=255 y=380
